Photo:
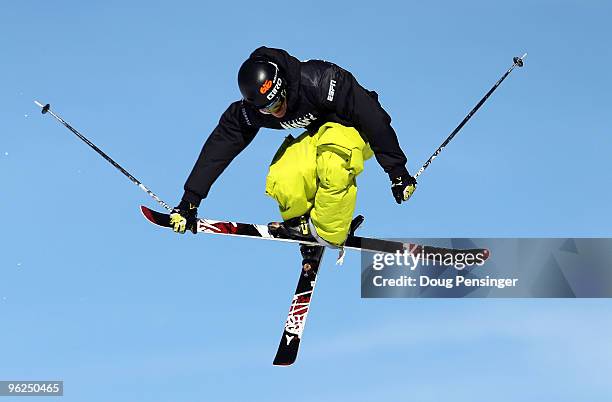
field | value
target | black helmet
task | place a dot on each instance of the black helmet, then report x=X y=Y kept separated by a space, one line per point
x=261 y=82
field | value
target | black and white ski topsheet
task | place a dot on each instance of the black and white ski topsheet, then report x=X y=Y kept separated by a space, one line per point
x=352 y=242
x=300 y=304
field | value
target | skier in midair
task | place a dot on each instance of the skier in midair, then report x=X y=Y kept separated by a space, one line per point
x=312 y=177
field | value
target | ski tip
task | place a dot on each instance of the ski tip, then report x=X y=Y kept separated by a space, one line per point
x=282 y=363
x=156 y=218
x=147 y=213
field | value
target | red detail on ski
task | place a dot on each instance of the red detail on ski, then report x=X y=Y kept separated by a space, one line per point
x=147 y=213
x=289 y=344
x=354 y=242
x=222 y=227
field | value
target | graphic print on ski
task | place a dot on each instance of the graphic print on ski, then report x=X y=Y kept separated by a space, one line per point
x=352 y=242
x=298 y=311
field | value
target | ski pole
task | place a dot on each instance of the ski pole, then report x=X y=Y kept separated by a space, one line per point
x=47 y=109
x=517 y=61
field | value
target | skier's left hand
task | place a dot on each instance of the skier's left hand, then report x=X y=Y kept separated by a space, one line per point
x=402 y=187
x=184 y=217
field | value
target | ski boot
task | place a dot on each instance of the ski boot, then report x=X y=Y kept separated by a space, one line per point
x=295 y=228
x=311 y=255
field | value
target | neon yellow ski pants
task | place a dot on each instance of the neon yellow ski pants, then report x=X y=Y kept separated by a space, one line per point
x=315 y=173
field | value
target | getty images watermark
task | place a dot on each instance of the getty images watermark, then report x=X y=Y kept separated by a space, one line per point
x=426 y=268
x=490 y=268
x=409 y=261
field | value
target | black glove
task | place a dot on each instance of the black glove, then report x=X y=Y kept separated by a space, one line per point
x=184 y=217
x=402 y=187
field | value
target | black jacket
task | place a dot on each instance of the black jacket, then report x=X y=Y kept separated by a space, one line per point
x=317 y=92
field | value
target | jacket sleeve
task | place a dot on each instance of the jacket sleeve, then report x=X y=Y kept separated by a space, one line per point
x=351 y=102
x=233 y=133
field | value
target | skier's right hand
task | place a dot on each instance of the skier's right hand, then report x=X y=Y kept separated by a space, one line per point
x=184 y=217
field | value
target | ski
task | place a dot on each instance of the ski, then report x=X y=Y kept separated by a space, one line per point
x=300 y=305
x=352 y=241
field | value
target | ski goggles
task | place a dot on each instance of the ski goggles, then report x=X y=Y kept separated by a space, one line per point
x=275 y=105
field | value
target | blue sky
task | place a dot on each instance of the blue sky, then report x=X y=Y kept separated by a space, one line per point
x=92 y=294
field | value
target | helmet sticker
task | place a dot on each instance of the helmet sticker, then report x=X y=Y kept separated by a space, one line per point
x=265 y=87
x=272 y=94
